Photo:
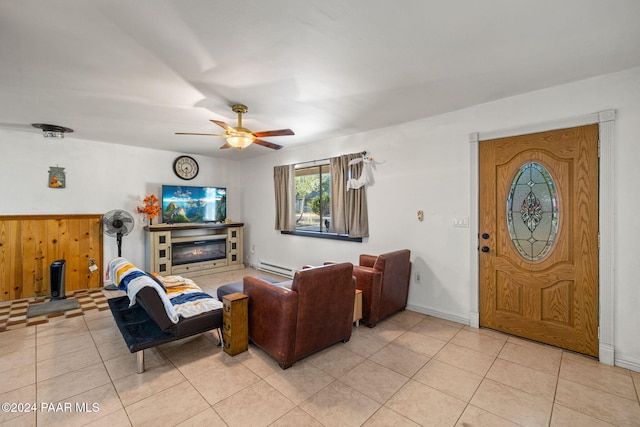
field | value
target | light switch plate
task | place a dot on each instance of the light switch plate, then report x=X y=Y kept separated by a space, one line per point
x=461 y=221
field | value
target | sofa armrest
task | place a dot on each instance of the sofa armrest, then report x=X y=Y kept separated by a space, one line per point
x=149 y=299
x=369 y=281
x=367 y=260
x=273 y=311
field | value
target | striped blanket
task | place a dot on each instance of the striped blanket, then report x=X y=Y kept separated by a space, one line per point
x=182 y=298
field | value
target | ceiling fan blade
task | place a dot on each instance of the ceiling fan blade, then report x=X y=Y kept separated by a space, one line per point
x=267 y=144
x=226 y=145
x=281 y=132
x=223 y=125
x=203 y=134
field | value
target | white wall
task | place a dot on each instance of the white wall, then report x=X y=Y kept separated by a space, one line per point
x=99 y=177
x=425 y=165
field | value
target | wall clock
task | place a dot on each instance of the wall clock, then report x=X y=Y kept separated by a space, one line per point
x=186 y=167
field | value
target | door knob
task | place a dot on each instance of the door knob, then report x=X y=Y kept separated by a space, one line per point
x=485 y=236
x=485 y=249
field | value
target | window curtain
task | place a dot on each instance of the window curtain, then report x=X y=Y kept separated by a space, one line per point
x=283 y=180
x=349 y=213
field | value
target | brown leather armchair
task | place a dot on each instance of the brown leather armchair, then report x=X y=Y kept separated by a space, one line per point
x=315 y=313
x=384 y=281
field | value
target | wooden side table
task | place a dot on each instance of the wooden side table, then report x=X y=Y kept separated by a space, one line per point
x=357 y=308
x=235 y=323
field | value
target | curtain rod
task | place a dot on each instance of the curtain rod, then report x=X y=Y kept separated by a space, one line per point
x=314 y=162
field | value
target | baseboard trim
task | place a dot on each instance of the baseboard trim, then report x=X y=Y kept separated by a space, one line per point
x=438 y=314
x=628 y=363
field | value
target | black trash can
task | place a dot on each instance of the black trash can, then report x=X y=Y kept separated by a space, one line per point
x=57 y=271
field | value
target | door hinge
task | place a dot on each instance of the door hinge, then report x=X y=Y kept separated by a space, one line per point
x=598 y=332
x=598 y=148
x=598 y=240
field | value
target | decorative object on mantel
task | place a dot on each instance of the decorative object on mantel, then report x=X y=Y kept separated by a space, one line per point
x=151 y=208
x=56 y=177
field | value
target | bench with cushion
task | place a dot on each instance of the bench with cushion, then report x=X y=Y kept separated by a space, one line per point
x=152 y=314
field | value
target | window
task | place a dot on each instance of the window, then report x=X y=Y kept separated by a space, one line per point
x=313 y=198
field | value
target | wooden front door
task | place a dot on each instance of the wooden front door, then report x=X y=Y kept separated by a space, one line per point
x=539 y=237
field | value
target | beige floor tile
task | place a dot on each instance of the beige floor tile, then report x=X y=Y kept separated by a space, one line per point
x=536 y=356
x=16 y=397
x=296 y=418
x=168 y=407
x=340 y=405
x=197 y=356
x=258 y=361
x=635 y=376
x=17 y=339
x=256 y=405
x=597 y=375
x=365 y=344
x=386 y=330
x=64 y=363
x=208 y=418
x=385 y=417
x=374 y=380
x=56 y=346
x=523 y=378
x=23 y=420
x=407 y=319
x=12 y=359
x=512 y=404
x=433 y=328
x=476 y=417
x=72 y=383
x=136 y=387
x=597 y=404
x=565 y=417
x=465 y=358
x=61 y=327
x=17 y=377
x=81 y=409
x=425 y=405
x=225 y=380
x=300 y=381
x=118 y=418
x=126 y=365
x=478 y=341
x=335 y=360
x=419 y=343
x=448 y=379
x=400 y=359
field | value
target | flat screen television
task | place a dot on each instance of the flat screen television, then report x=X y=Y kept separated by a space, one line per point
x=183 y=204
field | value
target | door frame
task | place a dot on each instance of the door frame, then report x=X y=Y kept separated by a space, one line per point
x=606 y=121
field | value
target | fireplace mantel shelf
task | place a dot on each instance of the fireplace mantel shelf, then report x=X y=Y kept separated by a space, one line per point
x=190 y=226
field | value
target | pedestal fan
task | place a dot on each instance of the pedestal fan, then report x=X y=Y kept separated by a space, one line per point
x=117 y=223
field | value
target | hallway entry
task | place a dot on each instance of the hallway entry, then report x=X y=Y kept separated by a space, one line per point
x=538 y=237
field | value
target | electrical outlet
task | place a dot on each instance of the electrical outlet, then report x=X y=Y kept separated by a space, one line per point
x=418 y=277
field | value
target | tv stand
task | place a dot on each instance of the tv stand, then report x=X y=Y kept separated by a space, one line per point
x=163 y=239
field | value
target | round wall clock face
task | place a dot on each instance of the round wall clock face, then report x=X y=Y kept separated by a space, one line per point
x=186 y=167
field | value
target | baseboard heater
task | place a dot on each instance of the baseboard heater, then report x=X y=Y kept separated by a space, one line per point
x=276 y=269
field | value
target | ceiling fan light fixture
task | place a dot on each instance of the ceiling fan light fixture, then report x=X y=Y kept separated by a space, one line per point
x=240 y=139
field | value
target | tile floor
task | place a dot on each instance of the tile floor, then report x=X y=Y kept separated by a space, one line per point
x=409 y=370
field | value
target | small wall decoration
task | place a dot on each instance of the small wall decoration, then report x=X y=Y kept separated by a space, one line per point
x=56 y=177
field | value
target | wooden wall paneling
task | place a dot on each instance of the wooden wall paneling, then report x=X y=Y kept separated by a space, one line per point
x=30 y=243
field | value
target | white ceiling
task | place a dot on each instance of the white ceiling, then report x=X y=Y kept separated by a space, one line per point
x=136 y=71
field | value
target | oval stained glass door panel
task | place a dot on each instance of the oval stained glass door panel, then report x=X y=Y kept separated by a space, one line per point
x=532 y=211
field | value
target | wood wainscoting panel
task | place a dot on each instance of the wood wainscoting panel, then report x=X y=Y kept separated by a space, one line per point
x=30 y=243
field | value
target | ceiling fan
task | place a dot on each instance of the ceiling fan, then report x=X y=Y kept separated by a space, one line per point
x=241 y=137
